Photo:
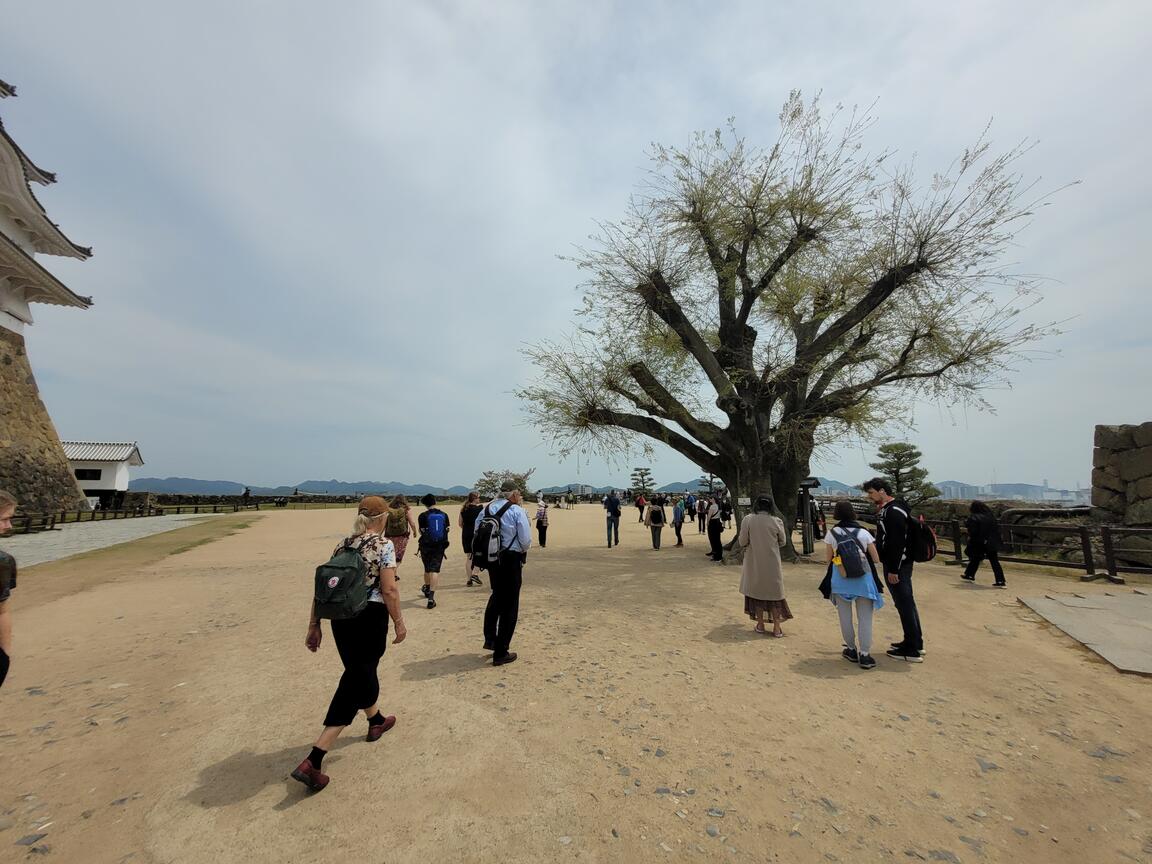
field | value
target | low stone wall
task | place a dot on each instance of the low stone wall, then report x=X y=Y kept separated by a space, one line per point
x=1122 y=484
x=33 y=466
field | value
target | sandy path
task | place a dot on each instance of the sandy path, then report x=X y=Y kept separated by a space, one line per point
x=154 y=717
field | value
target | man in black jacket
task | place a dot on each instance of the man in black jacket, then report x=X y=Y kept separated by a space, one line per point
x=892 y=542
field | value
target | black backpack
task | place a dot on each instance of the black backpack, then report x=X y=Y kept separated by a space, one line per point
x=850 y=551
x=921 y=539
x=656 y=516
x=486 y=540
x=341 y=585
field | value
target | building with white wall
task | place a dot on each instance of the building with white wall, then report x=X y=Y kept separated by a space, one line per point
x=101 y=468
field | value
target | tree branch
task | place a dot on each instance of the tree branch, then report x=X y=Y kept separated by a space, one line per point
x=802 y=236
x=672 y=409
x=647 y=426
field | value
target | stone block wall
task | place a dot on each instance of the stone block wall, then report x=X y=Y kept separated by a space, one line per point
x=32 y=462
x=1122 y=485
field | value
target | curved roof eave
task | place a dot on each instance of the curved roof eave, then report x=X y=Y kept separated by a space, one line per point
x=49 y=289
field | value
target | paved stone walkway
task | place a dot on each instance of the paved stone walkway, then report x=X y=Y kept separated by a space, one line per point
x=77 y=537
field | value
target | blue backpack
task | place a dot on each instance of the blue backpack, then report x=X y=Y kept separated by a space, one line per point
x=437 y=528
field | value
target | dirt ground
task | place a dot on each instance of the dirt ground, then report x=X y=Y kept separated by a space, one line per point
x=161 y=693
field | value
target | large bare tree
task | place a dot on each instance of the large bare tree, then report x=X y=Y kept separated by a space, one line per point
x=756 y=303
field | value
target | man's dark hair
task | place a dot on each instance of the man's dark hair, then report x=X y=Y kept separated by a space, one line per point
x=844 y=512
x=428 y=500
x=979 y=507
x=877 y=484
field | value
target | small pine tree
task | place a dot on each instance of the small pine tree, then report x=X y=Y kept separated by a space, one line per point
x=641 y=481
x=900 y=464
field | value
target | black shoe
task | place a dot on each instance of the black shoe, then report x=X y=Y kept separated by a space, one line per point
x=424 y=590
x=850 y=655
x=900 y=647
x=866 y=662
x=431 y=603
x=905 y=654
x=504 y=659
x=488 y=646
x=968 y=578
x=1000 y=585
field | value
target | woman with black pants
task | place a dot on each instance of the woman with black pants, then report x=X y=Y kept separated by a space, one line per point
x=983 y=542
x=715 y=529
x=360 y=641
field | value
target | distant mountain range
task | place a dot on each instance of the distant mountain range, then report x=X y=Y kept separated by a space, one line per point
x=191 y=486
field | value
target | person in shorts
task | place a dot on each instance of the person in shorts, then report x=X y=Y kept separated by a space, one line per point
x=433 y=543
x=7 y=583
x=467 y=524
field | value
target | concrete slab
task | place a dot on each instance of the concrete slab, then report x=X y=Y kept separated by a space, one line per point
x=1118 y=627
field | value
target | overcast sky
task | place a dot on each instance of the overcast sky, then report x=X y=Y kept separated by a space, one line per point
x=320 y=235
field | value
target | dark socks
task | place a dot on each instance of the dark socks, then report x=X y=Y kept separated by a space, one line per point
x=377 y=720
x=316 y=757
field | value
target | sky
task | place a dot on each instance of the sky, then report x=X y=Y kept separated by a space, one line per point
x=321 y=241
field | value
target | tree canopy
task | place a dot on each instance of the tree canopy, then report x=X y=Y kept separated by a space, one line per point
x=755 y=303
x=899 y=463
x=490 y=481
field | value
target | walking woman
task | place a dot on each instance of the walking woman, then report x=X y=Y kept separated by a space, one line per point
x=654 y=518
x=360 y=641
x=466 y=522
x=678 y=520
x=762 y=578
x=863 y=591
x=400 y=526
x=542 y=522
x=983 y=542
x=715 y=530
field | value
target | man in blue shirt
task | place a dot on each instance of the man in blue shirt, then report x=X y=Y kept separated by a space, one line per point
x=506 y=574
x=612 y=507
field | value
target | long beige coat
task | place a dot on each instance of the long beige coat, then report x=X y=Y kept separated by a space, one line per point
x=762 y=578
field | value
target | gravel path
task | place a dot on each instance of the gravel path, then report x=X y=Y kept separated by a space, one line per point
x=77 y=537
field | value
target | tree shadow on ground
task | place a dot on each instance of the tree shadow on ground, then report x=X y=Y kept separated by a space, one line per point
x=246 y=774
x=835 y=666
x=451 y=664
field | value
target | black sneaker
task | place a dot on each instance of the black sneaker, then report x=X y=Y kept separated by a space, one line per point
x=866 y=662
x=968 y=578
x=424 y=590
x=905 y=654
x=1000 y=585
x=431 y=603
x=851 y=655
x=899 y=646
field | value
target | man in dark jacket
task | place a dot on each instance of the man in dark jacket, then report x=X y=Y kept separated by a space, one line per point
x=892 y=542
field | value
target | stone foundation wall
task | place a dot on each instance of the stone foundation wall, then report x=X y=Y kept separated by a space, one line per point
x=32 y=462
x=1122 y=484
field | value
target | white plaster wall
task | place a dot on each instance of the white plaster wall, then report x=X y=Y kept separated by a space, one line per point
x=114 y=476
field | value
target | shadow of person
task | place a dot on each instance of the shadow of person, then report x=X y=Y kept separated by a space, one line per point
x=733 y=632
x=246 y=774
x=835 y=666
x=434 y=667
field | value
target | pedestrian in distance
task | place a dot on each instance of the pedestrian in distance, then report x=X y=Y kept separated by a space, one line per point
x=715 y=523
x=701 y=514
x=360 y=640
x=466 y=522
x=7 y=584
x=506 y=573
x=852 y=582
x=726 y=510
x=641 y=502
x=894 y=529
x=542 y=522
x=655 y=517
x=432 y=544
x=400 y=525
x=983 y=542
x=678 y=508
x=762 y=575
x=612 y=516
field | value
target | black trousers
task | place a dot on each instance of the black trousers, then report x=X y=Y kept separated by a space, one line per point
x=613 y=528
x=503 y=608
x=676 y=526
x=905 y=602
x=361 y=642
x=542 y=533
x=975 y=559
x=4 y=664
x=715 y=529
x=700 y=522
x=656 y=531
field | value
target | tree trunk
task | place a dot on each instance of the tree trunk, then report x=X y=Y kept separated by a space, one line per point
x=781 y=477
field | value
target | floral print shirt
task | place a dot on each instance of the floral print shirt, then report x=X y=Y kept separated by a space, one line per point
x=378 y=553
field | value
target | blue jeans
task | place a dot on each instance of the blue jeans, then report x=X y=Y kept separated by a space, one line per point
x=613 y=529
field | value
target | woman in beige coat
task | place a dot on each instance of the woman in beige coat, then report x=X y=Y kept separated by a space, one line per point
x=762 y=579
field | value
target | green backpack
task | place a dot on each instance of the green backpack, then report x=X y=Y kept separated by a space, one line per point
x=341 y=585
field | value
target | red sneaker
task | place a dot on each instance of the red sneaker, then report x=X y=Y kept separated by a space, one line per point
x=314 y=779
x=374 y=732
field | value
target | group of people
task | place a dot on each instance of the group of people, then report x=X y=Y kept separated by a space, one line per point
x=711 y=513
x=380 y=534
